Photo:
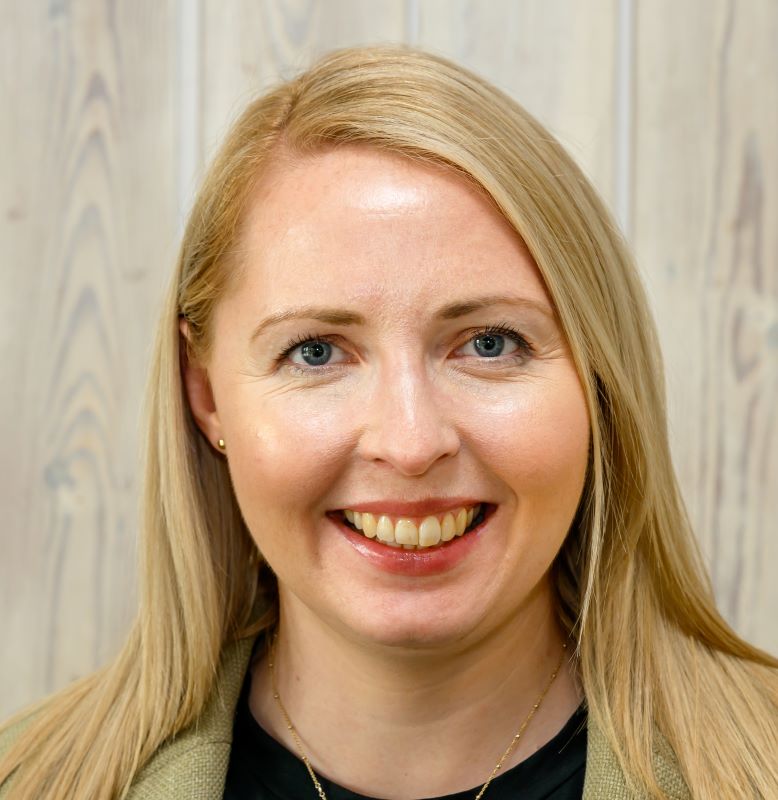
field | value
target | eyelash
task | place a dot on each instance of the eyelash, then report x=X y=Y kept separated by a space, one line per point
x=503 y=329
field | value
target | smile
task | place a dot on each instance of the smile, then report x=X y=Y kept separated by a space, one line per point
x=419 y=533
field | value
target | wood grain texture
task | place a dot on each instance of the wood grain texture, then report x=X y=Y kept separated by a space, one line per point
x=92 y=181
x=555 y=58
x=87 y=218
x=706 y=169
x=250 y=44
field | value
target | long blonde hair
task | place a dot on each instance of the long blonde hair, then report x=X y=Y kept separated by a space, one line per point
x=653 y=655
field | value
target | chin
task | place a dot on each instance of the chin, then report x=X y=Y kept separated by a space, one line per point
x=418 y=631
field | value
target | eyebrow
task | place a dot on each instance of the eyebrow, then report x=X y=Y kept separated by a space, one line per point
x=343 y=316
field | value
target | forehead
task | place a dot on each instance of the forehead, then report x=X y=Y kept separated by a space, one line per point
x=358 y=223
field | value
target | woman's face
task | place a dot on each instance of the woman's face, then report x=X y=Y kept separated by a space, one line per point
x=390 y=349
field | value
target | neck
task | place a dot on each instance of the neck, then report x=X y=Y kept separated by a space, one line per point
x=469 y=698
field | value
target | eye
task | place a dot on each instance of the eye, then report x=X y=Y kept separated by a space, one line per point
x=315 y=354
x=492 y=341
x=309 y=351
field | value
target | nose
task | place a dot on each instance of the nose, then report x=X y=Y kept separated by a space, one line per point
x=406 y=424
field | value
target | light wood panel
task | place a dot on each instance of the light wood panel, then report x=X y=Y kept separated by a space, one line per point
x=101 y=151
x=87 y=194
x=250 y=44
x=706 y=167
x=557 y=58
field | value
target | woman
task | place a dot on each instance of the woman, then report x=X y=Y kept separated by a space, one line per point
x=406 y=358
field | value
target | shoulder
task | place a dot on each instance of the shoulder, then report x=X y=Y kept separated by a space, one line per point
x=192 y=764
x=10 y=731
x=183 y=770
x=605 y=778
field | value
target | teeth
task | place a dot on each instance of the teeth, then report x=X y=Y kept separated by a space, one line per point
x=429 y=532
x=448 y=529
x=405 y=533
x=461 y=521
x=385 y=530
x=369 y=525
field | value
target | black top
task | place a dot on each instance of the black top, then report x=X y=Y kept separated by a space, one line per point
x=263 y=769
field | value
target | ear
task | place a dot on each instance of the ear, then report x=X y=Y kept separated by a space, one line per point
x=199 y=391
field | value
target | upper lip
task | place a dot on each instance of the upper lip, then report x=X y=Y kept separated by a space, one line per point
x=416 y=508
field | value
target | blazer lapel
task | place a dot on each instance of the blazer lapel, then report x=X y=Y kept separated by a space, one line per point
x=193 y=765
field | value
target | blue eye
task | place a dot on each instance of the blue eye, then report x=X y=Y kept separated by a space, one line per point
x=490 y=342
x=316 y=353
x=487 y=343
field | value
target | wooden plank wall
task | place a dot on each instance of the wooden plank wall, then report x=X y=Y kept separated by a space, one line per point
x=110 y=110
x=705 y=199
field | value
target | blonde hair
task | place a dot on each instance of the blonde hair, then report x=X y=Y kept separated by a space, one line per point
x=653 y=655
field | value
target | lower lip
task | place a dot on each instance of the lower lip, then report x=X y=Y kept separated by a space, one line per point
x=429 y=561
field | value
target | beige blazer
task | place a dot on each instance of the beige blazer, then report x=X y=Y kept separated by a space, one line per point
x=193 y=766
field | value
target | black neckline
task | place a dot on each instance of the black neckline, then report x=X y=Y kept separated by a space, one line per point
x=542 y=769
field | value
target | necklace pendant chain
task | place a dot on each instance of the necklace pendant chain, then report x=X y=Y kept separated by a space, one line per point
x=514 y=741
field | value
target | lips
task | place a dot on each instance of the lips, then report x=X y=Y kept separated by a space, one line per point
x=416 y=508
x=412 y=560
x=428 y=531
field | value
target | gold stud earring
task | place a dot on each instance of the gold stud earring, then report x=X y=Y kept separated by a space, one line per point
x=222 y=445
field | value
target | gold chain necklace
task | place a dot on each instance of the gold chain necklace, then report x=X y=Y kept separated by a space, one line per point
x=497 y=768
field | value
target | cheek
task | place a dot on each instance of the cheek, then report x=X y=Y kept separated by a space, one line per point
x=538 y=443
x=538 y=449
x=284 y=453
